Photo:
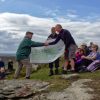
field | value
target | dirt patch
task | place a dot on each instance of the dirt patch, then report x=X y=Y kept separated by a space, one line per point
x=95 y=85
x=77 y=91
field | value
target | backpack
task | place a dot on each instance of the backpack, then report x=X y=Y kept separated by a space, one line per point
x=94 y=66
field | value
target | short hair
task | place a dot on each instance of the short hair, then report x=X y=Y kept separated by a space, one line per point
x=28 y=32
x=52 y=28
x=59 y=25
x=83 y=44
x=91 y=42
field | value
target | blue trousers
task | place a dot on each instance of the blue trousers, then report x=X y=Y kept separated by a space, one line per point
x=2 y=75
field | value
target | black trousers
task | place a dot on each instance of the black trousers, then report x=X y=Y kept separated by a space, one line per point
x=56 y=63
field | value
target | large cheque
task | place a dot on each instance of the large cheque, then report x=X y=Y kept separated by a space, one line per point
x=47 y=54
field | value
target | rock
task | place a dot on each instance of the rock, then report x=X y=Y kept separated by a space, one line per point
x=24 y=94
x=9 y=88
x=35 y=67
x=2 y=96
x=36 y=98
x=0 y=91
x=21 y=89
x=40 y=97
x=11 y=96
x=36 y=90
x=7 y=93
x=71 y=76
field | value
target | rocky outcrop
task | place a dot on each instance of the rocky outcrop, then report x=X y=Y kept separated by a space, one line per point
x=21 y=89
x=37 y=90
x=71 y=76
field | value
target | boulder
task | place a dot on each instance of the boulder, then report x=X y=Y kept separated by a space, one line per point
x=71 y=76
x=21 y=89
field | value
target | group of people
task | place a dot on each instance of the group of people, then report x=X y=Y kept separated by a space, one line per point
x=3 y=70
x=78 y=58
x=74 y=57
x=59 y=33
x=87 y=58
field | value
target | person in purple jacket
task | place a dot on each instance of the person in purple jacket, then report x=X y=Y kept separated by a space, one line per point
x=70 y=47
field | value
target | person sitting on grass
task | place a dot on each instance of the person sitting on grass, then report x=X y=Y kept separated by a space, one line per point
x=95 y=65
x=86 y=60
x=80 y=52
x=90 y=46
x=23 y=52
x=2 y=69
x=85 y=48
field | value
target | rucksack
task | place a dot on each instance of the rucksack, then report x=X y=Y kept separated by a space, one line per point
x=94 y=66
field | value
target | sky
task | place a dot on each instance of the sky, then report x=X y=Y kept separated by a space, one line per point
x=80 y=17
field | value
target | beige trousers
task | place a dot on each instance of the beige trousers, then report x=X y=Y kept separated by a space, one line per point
x=21 y=63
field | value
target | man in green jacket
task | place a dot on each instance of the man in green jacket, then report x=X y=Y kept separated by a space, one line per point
x=23 y=52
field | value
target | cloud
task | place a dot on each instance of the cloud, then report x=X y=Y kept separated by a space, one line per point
x=13 y=27
x=2 y=0
x=71 y=14
x=49 y=12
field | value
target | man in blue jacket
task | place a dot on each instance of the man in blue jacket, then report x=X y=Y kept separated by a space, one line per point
x=70 y=47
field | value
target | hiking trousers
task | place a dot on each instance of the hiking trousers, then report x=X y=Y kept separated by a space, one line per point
x=23 y=63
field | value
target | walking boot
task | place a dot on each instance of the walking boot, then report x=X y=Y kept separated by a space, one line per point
x=51 y=73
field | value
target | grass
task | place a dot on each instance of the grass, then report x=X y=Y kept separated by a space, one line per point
x=89 y=75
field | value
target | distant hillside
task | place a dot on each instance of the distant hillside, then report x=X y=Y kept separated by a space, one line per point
x=7 y=54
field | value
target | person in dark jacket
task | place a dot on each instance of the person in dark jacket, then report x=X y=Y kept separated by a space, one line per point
x=10 y=65
x=23 y=52
x=85 y=48
x=70 y=47
x=53 y=35
x=2 y=69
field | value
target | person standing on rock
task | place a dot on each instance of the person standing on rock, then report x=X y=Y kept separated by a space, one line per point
x=53 y=35
x=70 y=47
x=23 y=52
